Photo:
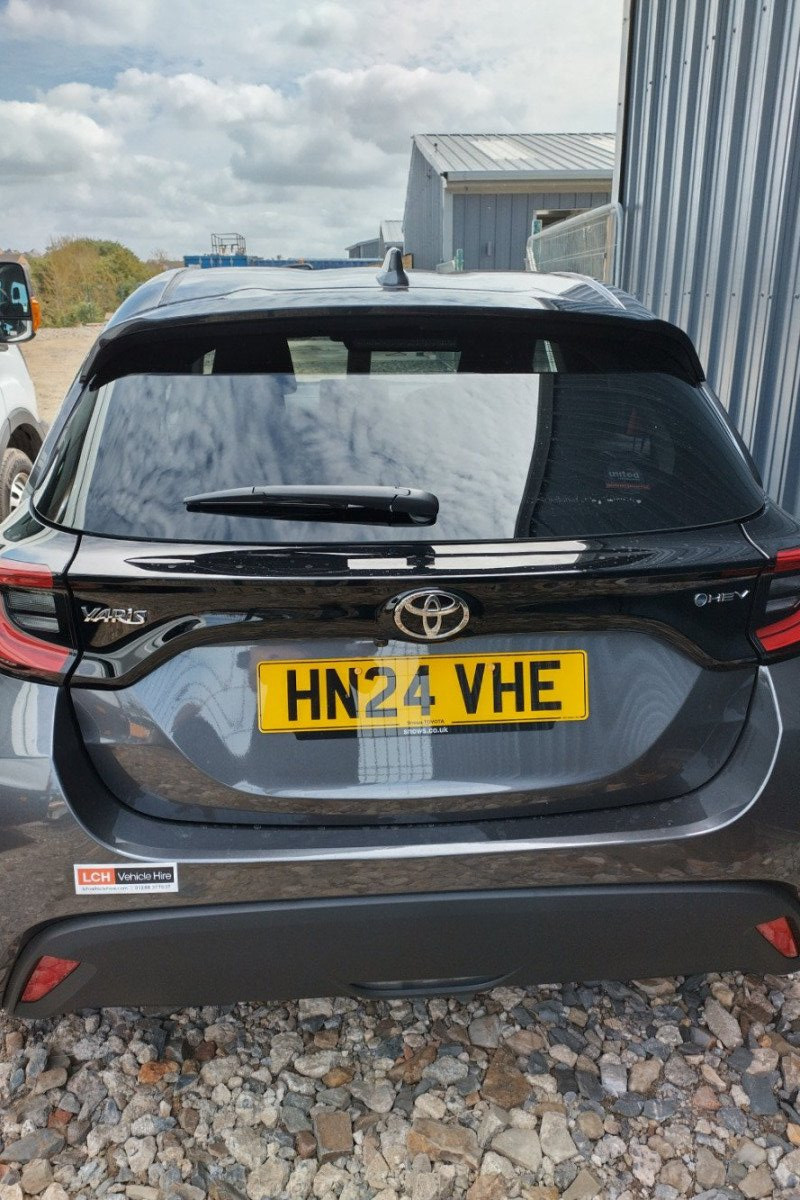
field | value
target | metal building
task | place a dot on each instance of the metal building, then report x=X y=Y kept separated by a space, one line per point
x=709 y=185
x=479 y=193
x=390 y=233
x=369 y=248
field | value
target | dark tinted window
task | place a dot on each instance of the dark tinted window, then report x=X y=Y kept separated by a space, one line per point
x=628 y=453
x=517 y=437
x=326 y=356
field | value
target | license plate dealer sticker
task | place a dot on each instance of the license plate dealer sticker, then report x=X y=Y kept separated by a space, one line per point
x=436 y=691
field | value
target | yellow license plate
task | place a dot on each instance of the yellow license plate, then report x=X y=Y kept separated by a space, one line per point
x=418 y=691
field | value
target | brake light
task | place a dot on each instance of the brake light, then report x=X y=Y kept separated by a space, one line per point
x=779 y=630
x=48 y=973
x=780 y=634
x=787 y=560
x=24 y=575
x=30 y=623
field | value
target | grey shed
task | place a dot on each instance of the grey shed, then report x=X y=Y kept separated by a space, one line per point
x=390 y=233
x=369 y=248
x=479 y=192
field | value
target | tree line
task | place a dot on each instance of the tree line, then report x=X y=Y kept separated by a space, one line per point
x=81 y=280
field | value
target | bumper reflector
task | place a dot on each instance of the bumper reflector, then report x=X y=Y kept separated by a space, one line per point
x=780 y=934
x=46 y=975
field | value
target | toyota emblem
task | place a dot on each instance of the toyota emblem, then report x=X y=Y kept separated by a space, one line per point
x=430 y=616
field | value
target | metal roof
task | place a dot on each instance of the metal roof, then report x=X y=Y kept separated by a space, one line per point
x=710 y=188
x=535 y=156
x=391 y=230
x=354 y=245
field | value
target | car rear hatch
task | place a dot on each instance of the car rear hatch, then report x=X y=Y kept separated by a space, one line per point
x=569 y=632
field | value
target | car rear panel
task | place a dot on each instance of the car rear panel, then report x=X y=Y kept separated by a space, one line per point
x=169 y=715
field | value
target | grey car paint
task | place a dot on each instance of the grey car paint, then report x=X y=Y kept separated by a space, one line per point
x=717 y=833
x=661 y=725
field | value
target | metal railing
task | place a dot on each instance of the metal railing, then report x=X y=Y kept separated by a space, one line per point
x=584 y=244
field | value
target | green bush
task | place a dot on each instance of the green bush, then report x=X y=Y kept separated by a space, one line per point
x=80 y=280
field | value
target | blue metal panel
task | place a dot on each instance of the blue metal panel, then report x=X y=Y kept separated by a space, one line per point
x=710 y=188
x=237 y=260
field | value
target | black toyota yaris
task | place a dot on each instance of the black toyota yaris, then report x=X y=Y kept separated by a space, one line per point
x=389 y=634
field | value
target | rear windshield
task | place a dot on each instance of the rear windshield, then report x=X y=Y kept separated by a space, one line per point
x=518 y=436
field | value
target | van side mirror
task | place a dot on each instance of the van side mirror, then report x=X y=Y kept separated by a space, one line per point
x=16 y=307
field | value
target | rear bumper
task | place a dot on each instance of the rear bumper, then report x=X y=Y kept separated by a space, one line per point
x=382 y=946
x=655 y=888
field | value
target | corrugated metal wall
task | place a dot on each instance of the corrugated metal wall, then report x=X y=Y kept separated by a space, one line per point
x=422 y=221
x=493 y=229
x=710 y=187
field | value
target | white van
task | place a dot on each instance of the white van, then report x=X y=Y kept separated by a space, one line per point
x=20 y=429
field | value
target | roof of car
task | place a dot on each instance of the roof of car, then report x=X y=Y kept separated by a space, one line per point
x=224 y=291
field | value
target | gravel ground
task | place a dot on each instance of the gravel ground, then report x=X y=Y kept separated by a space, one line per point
x=663 y=1088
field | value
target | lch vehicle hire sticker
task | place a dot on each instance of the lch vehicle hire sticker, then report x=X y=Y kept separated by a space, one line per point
x=115 y=879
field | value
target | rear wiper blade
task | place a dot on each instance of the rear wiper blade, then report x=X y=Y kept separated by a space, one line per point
x=320 y=502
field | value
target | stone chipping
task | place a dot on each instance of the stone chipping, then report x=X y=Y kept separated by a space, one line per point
x=662 y=1089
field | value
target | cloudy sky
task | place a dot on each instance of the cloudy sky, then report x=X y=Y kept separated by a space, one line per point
x=154 y=122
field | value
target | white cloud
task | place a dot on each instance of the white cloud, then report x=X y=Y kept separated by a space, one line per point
x=40 y=141
x=319 y=26
x=354 y=127
x=321 y=157
x=384 y=104
x=188 y=99
x=82 y=22
x=194 y=100
x=335 y=128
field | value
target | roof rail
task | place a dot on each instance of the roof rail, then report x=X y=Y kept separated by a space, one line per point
x=392 y=274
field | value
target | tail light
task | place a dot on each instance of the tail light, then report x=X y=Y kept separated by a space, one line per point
x=778 y=630
x=48 y=973
x=34 y=642
x=780 y=934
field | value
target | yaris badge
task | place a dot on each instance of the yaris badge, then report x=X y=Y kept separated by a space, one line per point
x=430 y=616
x=114 y=616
